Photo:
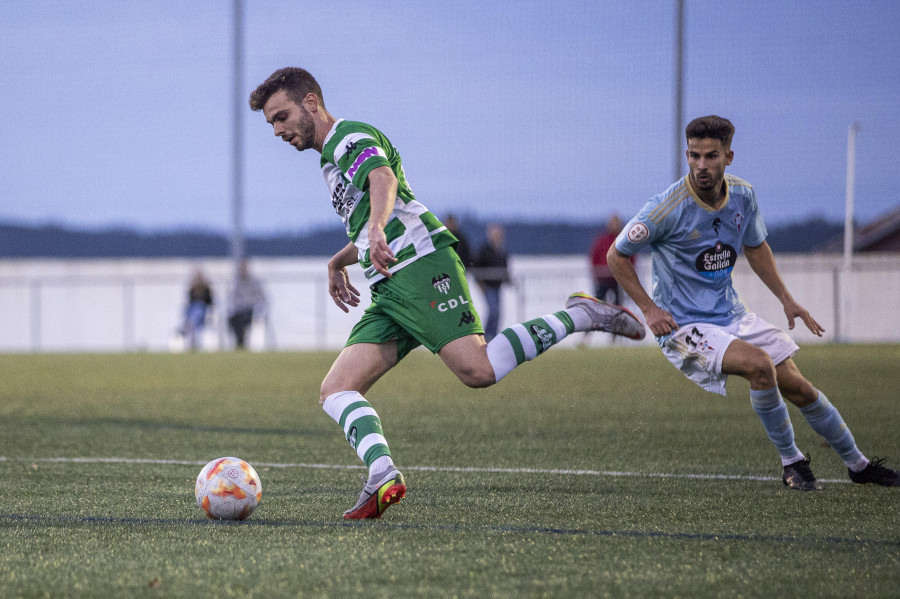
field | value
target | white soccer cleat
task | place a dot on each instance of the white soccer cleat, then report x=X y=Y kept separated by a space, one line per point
x=608 y=317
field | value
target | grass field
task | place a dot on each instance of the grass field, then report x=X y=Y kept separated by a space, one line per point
x=595 y=473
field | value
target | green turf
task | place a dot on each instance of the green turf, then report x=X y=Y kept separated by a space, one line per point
x=131 y=529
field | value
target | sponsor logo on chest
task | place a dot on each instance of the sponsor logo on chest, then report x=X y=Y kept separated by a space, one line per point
x=344 y=197
x=716 y=262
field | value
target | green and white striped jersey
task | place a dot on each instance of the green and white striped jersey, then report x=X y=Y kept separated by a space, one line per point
x=350 y=152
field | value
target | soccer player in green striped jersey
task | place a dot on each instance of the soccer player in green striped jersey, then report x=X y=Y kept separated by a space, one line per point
x=419 y=291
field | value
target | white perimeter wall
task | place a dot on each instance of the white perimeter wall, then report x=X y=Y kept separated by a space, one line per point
x=137 y=305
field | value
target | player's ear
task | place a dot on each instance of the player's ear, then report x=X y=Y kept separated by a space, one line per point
x=729 y=156
x=311 y=102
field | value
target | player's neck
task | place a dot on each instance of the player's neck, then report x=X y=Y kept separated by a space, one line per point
x=323 y=127
x=713 y=197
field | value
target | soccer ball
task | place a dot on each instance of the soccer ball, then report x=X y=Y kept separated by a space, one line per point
x=228 y=489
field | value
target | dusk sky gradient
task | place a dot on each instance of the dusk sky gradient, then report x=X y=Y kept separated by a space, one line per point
x=120 y=113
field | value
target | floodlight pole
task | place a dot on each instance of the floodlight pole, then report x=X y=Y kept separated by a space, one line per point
x=848 y=204
x=846 y=285
x=237 y=156
x=677 y=160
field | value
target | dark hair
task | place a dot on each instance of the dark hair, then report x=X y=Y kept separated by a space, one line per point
x=295 y=81
x=711 y=127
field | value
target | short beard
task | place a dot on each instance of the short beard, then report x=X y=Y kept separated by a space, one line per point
x=307 y=126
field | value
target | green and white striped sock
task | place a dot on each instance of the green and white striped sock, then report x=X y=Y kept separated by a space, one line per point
x=526 y=341
x=362 y=427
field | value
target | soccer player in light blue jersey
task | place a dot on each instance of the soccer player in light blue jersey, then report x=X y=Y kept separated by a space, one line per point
x=419 y=291
x=695 y=230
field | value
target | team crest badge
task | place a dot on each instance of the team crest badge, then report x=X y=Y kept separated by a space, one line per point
x=704 y=347
x=545 y=337
x=442 y=283
x=738 y=220
x=638 y=233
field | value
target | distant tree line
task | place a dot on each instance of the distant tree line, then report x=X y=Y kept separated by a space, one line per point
x=54 y=241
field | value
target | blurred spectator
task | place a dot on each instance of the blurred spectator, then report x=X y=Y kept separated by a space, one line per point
x=462 y=247
x=604 y=282
x=247 y=300
x=200 y=300
x=491 y=273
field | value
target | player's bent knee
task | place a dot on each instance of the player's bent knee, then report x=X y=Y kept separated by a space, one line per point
x=326 y=391
x=800 y=393
x=477 y=378
x=753 y=364
x=477 y=383
x=762 y=370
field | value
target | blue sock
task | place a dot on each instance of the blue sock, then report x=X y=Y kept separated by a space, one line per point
x=773 y=412
x=826 y=420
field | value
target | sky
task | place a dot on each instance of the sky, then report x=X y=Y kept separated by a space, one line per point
x=121 y=114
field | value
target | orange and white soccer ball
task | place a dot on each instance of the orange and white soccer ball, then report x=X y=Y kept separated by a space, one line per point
x=228 y=489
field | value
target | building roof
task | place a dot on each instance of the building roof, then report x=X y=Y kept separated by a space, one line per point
x=881 y=235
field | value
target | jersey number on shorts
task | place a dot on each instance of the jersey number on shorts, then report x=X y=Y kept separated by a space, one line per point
x=694 y=333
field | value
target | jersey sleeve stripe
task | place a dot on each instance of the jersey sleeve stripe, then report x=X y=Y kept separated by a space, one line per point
x=671 y=198
x=732 y=180
x=341 y=148
x=663 y=210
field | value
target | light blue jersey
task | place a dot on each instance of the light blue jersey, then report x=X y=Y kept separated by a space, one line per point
x=694 y=249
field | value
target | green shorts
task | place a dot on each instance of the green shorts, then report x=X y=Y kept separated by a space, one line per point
x=426 y=303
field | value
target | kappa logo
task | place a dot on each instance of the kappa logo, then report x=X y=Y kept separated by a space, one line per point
x=442 y=283
x=638 y=233
x=351 y=436
x=545 y=337
x=348 y=149
x=450 y=304
x=716 y=224
x=466 y=318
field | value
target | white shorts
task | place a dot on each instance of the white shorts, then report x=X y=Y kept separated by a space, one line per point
x=697 y=349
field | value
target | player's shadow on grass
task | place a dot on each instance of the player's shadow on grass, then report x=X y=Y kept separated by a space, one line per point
x=43 y=520
x=155 y=425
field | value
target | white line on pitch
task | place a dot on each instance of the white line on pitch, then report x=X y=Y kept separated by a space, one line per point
x=100 y=460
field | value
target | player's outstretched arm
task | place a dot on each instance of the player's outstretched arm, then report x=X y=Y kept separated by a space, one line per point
x=762 y=261
x=382 y=196
x=659 y=321
x=342 y=293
